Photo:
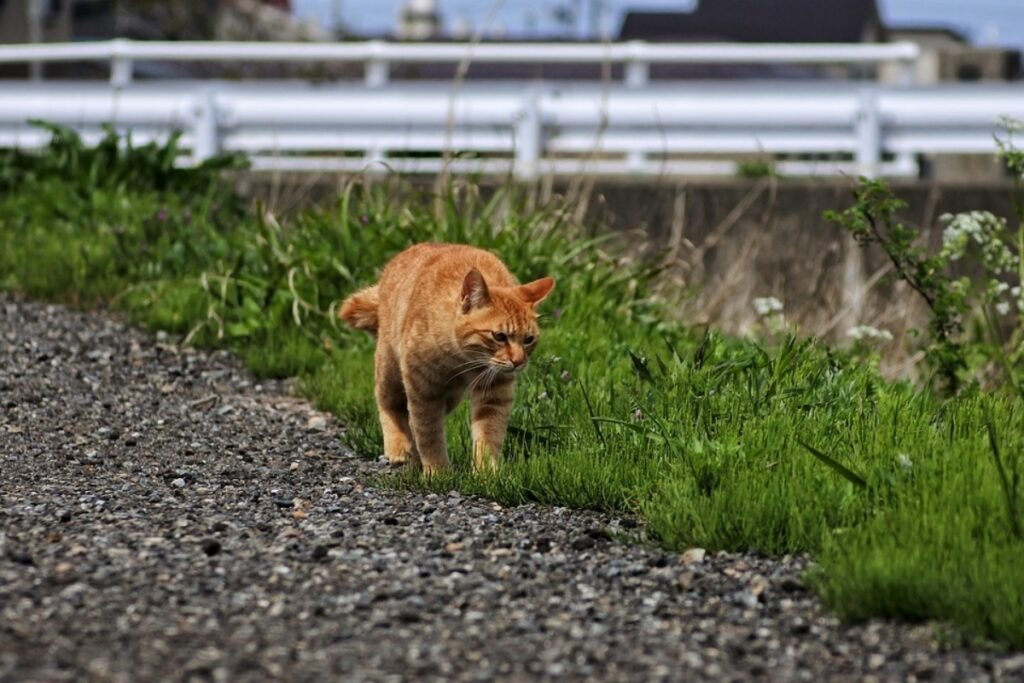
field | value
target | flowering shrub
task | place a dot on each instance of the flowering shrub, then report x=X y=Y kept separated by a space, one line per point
x=975 y=330
x=771 y=324
x=868 y=333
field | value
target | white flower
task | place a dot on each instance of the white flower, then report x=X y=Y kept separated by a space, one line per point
x=1002 y=308
x=767 y=305
x=904 y=461
x=866 y=332
x=985 y=229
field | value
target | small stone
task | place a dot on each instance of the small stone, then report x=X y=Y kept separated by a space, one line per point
x=791 y=584
x=758 y=585
x=583 y=542
x=1013 y=665
x=693 y=556
x=660 y=560
x=317 y=423
x=63 y=572
x=319 y=552
x=876 y=661
x=21 y=557
x=178 y=483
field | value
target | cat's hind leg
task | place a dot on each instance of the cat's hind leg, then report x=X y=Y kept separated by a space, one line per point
x=393 y=409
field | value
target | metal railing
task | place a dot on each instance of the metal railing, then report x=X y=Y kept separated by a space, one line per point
x=530 y=129
x=377 y=56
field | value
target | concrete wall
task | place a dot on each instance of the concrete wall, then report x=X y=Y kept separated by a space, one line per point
x=736 y=241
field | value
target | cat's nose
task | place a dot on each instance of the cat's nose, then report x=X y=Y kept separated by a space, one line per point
x=518 y=358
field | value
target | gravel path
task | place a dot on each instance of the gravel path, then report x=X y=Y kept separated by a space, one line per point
x=165 y=517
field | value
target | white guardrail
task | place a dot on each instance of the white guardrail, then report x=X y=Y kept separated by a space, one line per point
x=632 y=127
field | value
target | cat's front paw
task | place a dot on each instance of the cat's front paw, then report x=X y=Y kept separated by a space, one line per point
x=402 y=459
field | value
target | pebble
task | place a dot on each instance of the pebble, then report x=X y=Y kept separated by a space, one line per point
x=693 y=556
x=211 y=547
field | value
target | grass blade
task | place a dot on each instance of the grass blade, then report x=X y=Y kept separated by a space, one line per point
x=837 y=466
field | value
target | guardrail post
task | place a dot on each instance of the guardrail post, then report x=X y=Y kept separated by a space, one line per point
x=205 y=128
x=636 y=71
x=35 y=13
x=377 y=69
x=906 y=163
x=907 y=69
x=869 y=135
x=375 y=158
x=121 y=65
x=120 y=71
x=528 y=138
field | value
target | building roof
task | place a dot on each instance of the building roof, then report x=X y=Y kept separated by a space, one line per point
x=756 y=21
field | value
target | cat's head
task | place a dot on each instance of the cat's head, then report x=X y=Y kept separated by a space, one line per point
x=498 y=325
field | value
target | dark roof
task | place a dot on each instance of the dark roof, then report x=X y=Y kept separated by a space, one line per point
x=756 y=21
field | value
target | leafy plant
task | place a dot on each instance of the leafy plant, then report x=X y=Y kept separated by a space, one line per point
x=971 y=285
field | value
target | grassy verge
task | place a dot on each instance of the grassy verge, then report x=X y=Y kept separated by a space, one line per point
x=911 y=505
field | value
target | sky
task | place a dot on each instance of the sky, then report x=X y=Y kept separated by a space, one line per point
x=986 y=22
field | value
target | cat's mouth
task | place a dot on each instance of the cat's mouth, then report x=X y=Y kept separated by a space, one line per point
x=509 y=368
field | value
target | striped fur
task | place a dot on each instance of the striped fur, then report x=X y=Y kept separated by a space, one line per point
x=450 y=320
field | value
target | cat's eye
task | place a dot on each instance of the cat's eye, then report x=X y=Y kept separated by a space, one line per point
x=500 y=337
x=529 y=340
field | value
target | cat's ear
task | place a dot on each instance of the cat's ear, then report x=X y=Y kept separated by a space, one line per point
x=535 y=292
x=474 y=291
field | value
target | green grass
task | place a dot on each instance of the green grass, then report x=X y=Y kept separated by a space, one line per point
x=910 y=507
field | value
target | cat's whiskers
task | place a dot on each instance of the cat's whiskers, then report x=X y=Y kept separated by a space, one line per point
x=485 y=379
x=478 y=379
x=479 y=363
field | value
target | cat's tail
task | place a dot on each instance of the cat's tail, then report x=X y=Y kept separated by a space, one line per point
x=360 y=310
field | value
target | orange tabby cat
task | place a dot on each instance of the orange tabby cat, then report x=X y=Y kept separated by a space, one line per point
x=448 y=318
